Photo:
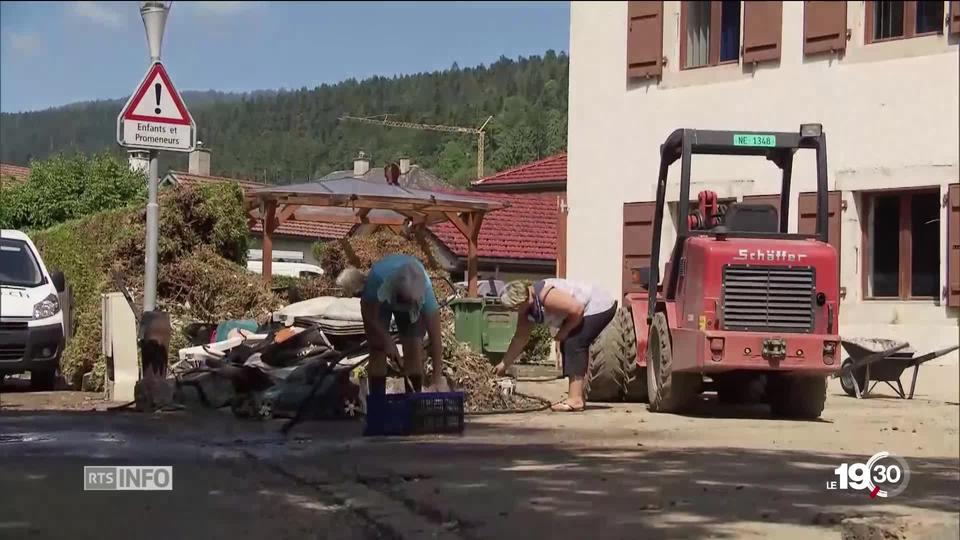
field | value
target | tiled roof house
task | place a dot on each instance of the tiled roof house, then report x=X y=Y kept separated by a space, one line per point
x=525 y=237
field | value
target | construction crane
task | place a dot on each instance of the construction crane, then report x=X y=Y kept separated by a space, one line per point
x=428 y=127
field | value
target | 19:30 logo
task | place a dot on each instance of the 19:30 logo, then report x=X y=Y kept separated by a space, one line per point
x=883 y=475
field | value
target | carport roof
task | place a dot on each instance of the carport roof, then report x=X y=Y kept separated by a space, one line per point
x=352 y=200
x=357 y=201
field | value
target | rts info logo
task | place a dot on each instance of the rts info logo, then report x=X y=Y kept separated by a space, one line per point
x=883 y=475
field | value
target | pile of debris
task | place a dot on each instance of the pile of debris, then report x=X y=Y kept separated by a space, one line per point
x=203 y=239
x=202 y=284
x=269 y=370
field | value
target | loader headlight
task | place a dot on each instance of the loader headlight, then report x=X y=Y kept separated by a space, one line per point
x=829 y=352
x=48 y=307
x=811 y=130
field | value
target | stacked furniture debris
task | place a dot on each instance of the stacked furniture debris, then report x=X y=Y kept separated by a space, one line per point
x=268 y=372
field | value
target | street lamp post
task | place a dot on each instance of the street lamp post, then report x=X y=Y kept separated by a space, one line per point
x=154 y=16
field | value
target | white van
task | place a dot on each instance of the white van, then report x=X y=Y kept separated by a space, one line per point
x=31 y=322
x=291 y=269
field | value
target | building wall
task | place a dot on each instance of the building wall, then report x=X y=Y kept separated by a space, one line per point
x=890 y=112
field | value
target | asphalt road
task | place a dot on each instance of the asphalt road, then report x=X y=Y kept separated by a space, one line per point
x=614 y=471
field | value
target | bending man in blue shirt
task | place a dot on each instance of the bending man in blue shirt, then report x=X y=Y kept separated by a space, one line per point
x=398 y=287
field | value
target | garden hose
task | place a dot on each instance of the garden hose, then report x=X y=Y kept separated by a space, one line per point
x=540 y=379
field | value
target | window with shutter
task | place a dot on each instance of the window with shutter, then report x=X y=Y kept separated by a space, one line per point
x=644 y=39
x=955 y=17
x=824 y=27
x=901 y=244
x=886 y=21
x=953 y=245
x=709 y=33
x=807 y=217
x=637 y=240
x=762 y=28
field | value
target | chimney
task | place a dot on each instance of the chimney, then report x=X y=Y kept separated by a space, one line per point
x=361 y=164
x=139 y=160
x=199 y=161
x=405 y=165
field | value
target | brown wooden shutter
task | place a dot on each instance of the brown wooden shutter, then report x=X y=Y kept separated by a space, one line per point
x=637 y=240
x=953 y=243
x=807 y=218
x=824 y=27
x=644 y=39
x=762 y=28
x=955 y=17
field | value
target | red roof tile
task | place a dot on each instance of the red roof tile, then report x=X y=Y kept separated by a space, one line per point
x=190 y=179
x=13 y=174
x=551 y=169
x=309 y=229
x=527 y=229
x=302 y=229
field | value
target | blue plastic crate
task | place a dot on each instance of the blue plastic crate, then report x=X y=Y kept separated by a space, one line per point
x=414 y=414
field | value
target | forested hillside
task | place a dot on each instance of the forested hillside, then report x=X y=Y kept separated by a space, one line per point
x=294 y=135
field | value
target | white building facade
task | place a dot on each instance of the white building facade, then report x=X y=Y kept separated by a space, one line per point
x=882 y=79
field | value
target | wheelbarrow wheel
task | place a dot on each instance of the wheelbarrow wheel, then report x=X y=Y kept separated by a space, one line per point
x=847 y=378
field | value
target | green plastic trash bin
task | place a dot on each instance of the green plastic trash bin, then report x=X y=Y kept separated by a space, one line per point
x=485 y=325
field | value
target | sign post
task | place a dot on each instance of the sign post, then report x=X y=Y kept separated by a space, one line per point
x=155 y=118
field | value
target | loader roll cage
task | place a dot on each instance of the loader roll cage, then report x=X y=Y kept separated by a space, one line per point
x=777 y=147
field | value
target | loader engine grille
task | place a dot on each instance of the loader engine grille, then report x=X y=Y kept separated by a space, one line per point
x=768 y=298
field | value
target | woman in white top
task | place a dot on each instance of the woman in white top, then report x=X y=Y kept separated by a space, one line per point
x=575 y=312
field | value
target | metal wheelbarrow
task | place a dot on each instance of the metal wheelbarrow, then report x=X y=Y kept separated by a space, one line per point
x=881 y=360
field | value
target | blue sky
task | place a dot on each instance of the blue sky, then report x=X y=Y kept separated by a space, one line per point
x=54 y=53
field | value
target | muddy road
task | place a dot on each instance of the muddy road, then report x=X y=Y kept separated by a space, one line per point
x=614 y=471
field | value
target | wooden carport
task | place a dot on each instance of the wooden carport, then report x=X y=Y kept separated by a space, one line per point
x=356 y=201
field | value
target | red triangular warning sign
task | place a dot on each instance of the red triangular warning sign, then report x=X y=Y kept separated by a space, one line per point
x=157 y=100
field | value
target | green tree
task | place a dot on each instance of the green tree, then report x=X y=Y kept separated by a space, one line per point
x=294 y=135
x=63 y=188
x=555 y=139
x=457 y=162
x=515 y=146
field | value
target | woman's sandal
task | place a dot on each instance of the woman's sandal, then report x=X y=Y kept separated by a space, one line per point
x=563 y=406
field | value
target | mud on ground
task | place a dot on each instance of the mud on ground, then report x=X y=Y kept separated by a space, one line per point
x=614 y=471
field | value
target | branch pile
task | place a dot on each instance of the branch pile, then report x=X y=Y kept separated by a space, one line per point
x=203 y=241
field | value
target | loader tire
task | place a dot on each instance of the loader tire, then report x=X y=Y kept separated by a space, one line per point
x=605 y=377
x=669 y=392
x=797 y=397
x=634 y=376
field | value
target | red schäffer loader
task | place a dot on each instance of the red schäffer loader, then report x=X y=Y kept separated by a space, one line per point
x=741 y=300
